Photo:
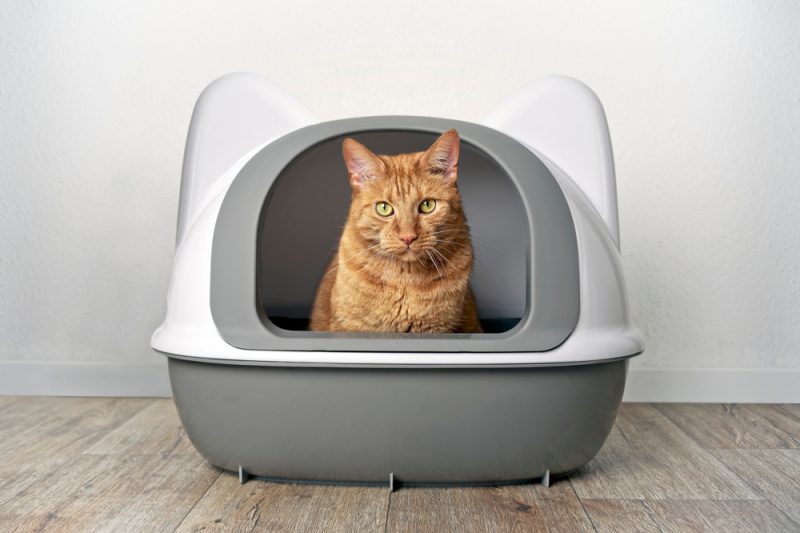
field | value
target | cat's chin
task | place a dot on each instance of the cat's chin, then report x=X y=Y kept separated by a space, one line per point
x=407 y=256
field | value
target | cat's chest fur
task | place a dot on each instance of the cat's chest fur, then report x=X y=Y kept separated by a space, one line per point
x=406 y=303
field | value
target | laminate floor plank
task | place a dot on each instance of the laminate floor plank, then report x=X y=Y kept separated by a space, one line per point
x=648 y=456
x=736 y=425
x=48 y=427
x=11 y=403
x=106 y=464
x=15 y=478
x=513 y=508
x=114 y=493
x=155 y=429
x=774 y=473
x=264 y=506
x=679 y=516
x=620 y=516
x=42 y=434
x=793 y=408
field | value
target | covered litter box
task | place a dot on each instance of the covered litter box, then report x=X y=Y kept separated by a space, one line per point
x=534 y=395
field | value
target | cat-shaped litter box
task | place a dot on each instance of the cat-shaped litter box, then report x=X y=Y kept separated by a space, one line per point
x=263 y=198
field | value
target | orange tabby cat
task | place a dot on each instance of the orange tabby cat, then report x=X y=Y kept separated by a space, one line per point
x=405 y=256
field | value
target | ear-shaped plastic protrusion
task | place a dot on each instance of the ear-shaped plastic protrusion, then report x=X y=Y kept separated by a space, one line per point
x=563 y=121
x=233 y=115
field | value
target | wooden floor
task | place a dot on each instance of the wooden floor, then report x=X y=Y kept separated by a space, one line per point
x=101 y=464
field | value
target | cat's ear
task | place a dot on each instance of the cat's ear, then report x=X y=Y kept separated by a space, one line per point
x=362 y=164
x=442 y=156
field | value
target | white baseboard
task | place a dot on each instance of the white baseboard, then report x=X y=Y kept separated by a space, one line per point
x=78 y=378
x=712 y=385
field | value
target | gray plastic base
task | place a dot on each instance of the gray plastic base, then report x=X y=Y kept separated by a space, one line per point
x=410 y=425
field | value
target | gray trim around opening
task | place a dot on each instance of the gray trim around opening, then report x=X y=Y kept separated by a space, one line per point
x=552 y=292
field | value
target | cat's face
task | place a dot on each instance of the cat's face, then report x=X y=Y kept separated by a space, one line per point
x=407 y=206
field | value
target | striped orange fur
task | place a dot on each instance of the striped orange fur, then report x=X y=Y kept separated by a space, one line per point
x=407 y=271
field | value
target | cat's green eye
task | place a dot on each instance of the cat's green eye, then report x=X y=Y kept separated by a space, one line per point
x=427 y=206
x=384 y=209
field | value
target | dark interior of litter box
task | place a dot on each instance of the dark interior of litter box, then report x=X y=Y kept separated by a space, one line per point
x=303 y=215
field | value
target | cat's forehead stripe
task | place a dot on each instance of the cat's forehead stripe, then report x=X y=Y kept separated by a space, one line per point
x=401 y=172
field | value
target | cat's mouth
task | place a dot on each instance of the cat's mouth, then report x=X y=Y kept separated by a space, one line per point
x=415 y=252
x=408 y=255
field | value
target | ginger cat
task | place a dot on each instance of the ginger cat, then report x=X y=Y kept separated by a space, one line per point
x=405 y=256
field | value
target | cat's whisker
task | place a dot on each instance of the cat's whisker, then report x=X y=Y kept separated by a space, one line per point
x=447 y=231
x=453 y=230
x=446 y=260
x=466 y=240
x=471 y=233
x=452 y=248
x=452 y=242
x=435 y=265
x=361 y=254
x=475 y=244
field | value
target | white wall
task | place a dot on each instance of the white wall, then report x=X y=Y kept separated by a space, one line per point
x=702 y=100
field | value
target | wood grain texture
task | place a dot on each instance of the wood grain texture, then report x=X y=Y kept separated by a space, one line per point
x=793 y=408
x=155 y=429
x=736 y=426
x=680 y=516
x=15 y=478
x=105 y=464
x=497 y=509
x=774 y=473
x=10 y=401
x=61 y=487
x=264 y=506
x=621 y=516
x=38 y=435
x=132 y=492
x=648 y=456
x=36 y=427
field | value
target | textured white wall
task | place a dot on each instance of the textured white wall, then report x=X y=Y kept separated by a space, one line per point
x=702 y=100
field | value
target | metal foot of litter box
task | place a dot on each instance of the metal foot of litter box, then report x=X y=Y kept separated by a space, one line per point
x=546 y=478
x=243 y=475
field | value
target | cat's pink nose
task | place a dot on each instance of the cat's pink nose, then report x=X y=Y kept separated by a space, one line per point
x=408 y=239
